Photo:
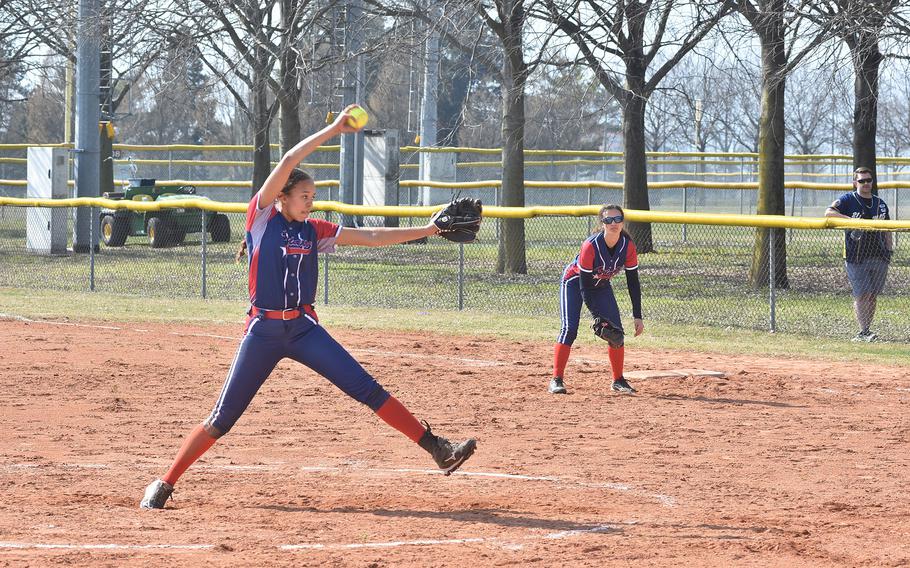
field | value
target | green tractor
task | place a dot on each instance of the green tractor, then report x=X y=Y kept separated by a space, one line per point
x=164 y=228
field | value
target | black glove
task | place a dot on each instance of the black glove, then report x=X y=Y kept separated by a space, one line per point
x=459 y=221
x=612 y=335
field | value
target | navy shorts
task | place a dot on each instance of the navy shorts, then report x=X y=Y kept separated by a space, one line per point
x=867 y=276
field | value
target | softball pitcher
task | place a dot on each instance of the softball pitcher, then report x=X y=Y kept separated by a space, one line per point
x=587 y=279
x=283 y=244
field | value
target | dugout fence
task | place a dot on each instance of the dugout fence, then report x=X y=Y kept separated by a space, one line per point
x=699 y=272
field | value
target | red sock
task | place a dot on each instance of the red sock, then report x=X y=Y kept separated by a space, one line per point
x=616 y=357
x=194 y=445
x=397 y=416
x=560 y=358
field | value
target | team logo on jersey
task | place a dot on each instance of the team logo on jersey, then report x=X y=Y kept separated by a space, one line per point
x=602 y=275
x=295 y=245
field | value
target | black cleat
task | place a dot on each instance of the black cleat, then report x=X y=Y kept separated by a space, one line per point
x=622 y=385
x=448 y=456
x=156 y=495
x=866 y=336
x=557 y=386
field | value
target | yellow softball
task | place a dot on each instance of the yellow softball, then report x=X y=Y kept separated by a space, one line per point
x=358 y=118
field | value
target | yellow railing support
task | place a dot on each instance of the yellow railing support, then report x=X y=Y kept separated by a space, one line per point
x=731 y=220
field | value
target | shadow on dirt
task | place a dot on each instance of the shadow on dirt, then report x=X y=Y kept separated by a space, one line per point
x=499 y=517
x=729 y=401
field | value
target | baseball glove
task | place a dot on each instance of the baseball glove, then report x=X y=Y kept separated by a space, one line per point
x=604 y=330
x=459 y=221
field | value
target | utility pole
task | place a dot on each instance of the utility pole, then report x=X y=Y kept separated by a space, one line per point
x=88 y=114
x=352 y=76
x=430 y=94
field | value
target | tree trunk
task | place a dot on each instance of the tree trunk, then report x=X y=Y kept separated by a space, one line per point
x=511 y=258
x=289 y=99
x=289 y=80
x=260 y=121
x=635 y=181
x=866 y=61
x=771 y=199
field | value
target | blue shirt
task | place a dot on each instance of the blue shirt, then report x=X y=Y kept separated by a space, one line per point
x=860 y=245
x=283 y=256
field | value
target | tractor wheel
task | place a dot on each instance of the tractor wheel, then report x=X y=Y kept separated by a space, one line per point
x=114 y=230
x=160 y=232
x=220 y=228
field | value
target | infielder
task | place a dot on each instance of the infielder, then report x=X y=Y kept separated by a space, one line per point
x=283 y=244
x=587 y=279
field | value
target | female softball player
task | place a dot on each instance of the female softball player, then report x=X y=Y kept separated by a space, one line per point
x=587 y=279
x=283 y=244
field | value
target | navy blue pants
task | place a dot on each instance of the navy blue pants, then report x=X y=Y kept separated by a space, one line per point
x=269 y=341
x=570 y=302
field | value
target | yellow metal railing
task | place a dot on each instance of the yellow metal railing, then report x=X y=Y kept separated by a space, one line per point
x=776 y=221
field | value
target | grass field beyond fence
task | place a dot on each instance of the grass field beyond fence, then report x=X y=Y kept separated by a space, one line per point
x=698 y=275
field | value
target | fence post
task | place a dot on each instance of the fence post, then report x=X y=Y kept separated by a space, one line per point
x=685 y=227
x=590 y=227
x=91 y=248
x=496 y=190
x=771 y=280
x=460 y=276
x=204 y=253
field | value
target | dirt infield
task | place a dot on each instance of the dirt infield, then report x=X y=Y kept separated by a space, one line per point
x=781 y=463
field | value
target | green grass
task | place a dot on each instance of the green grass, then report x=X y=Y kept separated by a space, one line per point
x=99 y=307
x=702 y=281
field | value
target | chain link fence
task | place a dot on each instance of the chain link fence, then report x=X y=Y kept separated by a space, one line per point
x=698 y=274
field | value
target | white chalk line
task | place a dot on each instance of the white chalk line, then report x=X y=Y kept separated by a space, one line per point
x=508 y=542
x=512 y=543
x=665 y=500
x=67 y=546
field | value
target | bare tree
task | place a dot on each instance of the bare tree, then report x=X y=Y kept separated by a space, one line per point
x=862 y=25
x=637 y=34
x=894 y=114
x=130 y=36
x=248 y=57
x=666 y=122
x=17 y=40
x=724 y=124
x=809 y=113
x=772 y=23
x=508 y=20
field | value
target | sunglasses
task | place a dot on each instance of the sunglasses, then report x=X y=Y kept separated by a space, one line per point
x=614 y=219
x=864 y=181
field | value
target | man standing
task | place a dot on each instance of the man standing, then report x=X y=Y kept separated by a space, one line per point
x=866 y=253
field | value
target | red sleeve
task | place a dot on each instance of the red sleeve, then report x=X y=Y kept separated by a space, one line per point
x=324 y=229
x=631 y=257
x=586 y=257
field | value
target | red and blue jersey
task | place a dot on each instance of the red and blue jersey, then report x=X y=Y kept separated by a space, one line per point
x=602 y=262
x=284 y=265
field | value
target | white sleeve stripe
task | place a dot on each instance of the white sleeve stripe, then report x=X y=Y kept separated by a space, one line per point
x=327 y=244
x=632 y=267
